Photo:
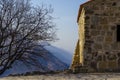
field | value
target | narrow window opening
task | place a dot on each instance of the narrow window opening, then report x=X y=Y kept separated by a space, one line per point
x=118 y=33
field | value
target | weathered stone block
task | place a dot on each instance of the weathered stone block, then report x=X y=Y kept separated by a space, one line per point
x=102 y=33
x=117 y=14
x=95 y=20
x=87 y=17
x=109 y=33
x=97 y=46
x=112 y=19
x=108 y=39
x=89 y=11
x=113 y=28
x=115 y=46
x=112 y=64
x=100 y=39
x=105 y=27
x=106 y=47
x=103 y=20
x=111 y=57
x=95 y=33
x=93 y=27
x=99 y=58
x=102 y=65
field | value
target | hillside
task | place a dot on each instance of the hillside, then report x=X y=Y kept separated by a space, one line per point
x=43 y=58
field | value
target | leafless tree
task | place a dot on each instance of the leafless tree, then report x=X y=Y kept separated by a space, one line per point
x=21 y=27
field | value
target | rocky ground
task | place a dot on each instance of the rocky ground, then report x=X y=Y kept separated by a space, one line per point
x=92 y=76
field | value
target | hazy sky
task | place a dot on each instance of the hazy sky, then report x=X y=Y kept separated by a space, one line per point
x=65 y=12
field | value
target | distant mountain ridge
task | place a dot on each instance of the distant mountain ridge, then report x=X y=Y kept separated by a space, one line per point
x=43 y=58
x=61 y=54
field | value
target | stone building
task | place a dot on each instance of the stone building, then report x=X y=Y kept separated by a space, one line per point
x=98 y=47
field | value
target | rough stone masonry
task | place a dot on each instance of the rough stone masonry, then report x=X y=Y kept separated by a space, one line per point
x=98 y=47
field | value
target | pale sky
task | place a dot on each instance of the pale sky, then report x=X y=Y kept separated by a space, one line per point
x=65 y=12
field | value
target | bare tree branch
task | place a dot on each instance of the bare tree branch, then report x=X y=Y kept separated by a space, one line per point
x=21 y=27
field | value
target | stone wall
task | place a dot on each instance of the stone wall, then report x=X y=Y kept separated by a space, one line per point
x=78 y=55
x=98 y=48
x=101 y=49
x=81 y=24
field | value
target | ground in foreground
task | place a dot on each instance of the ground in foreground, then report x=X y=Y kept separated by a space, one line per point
x=92 y=76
